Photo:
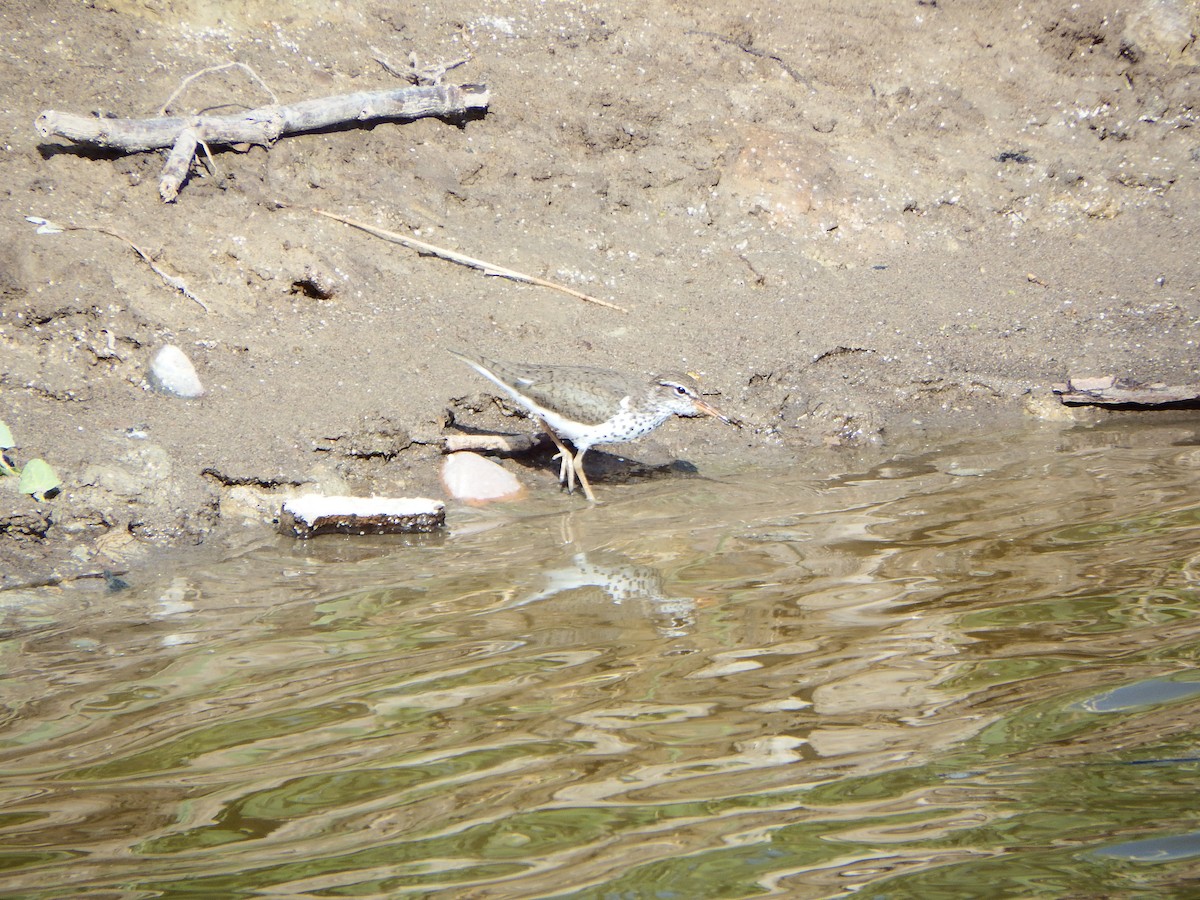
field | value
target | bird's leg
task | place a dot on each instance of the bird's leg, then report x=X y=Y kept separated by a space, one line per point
x=577 y=465
x=566 y=472
x=564 y=466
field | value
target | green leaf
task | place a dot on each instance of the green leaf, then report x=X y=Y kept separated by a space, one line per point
x=6 y=441
x=37 y=478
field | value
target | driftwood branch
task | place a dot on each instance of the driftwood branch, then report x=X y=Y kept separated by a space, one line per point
x=463 y=260
x=1109 y=391
x=256 y=126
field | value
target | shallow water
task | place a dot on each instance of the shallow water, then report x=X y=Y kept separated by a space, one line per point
x=966 y=672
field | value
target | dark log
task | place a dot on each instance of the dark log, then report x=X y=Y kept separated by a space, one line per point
x=311 y=515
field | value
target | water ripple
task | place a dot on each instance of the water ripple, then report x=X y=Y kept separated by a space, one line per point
x=967 y=671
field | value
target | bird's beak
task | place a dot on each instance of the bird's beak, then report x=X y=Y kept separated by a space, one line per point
x=709 y=410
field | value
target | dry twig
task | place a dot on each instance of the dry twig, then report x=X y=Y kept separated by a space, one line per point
x=486 y=267
x=162 y=111
x=416 y=73
x=45 y=226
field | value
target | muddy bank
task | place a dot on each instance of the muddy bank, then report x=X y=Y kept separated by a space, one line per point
x=902 y=216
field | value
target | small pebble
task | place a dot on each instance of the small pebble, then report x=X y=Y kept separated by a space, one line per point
x=172 y=373
x=473 y=479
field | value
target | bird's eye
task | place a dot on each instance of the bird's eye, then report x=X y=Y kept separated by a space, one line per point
x=680 y=390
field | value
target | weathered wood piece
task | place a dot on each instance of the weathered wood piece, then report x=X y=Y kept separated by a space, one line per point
x=493 y=443
x=262 y=126
x=314 y=514
x=265 y=124
x=1108 y=390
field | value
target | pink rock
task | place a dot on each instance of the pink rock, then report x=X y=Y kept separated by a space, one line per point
x=473 y=479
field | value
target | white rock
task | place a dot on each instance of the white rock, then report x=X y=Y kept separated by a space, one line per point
x=473 y=479
x=171 y=372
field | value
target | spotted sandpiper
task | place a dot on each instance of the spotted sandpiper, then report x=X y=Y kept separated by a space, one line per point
x=589 y=406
